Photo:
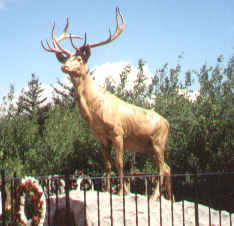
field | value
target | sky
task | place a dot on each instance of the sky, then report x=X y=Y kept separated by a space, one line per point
x=156 y=31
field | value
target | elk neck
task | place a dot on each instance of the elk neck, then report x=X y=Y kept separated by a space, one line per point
x=89 y=95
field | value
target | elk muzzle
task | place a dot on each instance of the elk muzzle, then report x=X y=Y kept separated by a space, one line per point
x=65 y=69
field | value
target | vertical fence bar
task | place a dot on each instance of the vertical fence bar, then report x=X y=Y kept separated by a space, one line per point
x=14 y=197
x=220 y=219
x=136 y=209
x=98 y=204
x=148 y=199
x=67 y=187
x=3 y=191
x=209 y=217
x=172 y=204
x=196 y=199
x=111 y=210
x=230 y=215
x=56 y=193
x=160 y=199
x=124 y=217
x=209 y=201
x=146 y=186
x=85 y=206
x=183 y=212
x=48 y=197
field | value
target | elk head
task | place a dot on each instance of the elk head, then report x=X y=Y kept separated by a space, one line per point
x=76 y=64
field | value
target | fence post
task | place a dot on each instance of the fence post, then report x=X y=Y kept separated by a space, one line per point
x=98 y=204
x=85 y=205
x=111 y=207
x=3 y=191
x=14 y=196
x=172 y=203
x=56 y=191
x=48 y=186
x=67 y=187
x=124 y=216
x=196 y=200
x=160 y=198
x=136 y=205
x=148 y=197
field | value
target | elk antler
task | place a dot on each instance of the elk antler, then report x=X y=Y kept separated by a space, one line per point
x=84 y=50
x=119 y=29
x=57 y=49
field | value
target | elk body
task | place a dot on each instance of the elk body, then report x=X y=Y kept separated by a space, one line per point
x=113 y=122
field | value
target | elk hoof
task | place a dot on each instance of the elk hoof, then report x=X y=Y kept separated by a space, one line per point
x=120 y=191
x=155 y=197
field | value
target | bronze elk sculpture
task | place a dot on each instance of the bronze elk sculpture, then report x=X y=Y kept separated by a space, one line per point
x=113 y=122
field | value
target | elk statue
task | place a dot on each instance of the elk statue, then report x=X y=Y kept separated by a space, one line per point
x=113 y=122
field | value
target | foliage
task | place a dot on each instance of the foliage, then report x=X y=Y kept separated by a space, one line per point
x=70 y=145
x=64 y=94
x=7 y=218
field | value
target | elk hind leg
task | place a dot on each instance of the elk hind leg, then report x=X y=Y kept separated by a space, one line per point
x=164 y=172
x=158 y=160
x=168 y=182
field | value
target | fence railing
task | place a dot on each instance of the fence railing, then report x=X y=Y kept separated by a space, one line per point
x=200 y=199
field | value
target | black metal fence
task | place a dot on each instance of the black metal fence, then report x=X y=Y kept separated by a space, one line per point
x=71 y=195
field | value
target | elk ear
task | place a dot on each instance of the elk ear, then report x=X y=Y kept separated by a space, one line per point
x=86 y=52
x=61 y=58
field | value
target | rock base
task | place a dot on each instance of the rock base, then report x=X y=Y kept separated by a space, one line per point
x=146 y=211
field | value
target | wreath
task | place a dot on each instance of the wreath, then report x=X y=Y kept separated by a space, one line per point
x=31 y=187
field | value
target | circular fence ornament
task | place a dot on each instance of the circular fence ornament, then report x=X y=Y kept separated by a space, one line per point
x=30 y=186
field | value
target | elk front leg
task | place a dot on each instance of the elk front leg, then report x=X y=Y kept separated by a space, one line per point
x=107 y=162
x=118 y=143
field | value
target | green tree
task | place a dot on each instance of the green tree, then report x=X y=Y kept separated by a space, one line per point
x=64 y=94
x=30 y=100
x=70 y=144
